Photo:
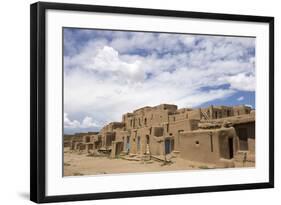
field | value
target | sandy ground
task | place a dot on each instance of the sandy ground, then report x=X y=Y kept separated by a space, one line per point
x=81 y=164
x=76 y=164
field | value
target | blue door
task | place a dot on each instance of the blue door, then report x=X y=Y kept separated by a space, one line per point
x=167 y=146
x=128 y=144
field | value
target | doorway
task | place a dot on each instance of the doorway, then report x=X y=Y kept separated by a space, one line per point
x=118 y=148
x=230 y=147
x=128 y=144
x=147 y=139
x=243 y=139
x=167 y=146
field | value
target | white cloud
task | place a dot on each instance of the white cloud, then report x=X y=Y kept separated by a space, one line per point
x=70 y=124
x=87 y=122
x=242 y=82
x=106 y=61
x=249 y=106
x=240 y=98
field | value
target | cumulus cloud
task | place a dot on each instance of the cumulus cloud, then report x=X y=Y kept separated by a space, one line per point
x=240 y=98
x=242 y=81
x=108 y=73
x=249 y=106
x=70 y=124
x=87 y=122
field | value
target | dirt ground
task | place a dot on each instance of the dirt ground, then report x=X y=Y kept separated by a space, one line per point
x=81 y=164
x=78 y=164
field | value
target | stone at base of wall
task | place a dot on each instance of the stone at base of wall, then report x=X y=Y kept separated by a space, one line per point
x=225 y=163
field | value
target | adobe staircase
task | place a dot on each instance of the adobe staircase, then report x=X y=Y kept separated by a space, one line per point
x=137 y=157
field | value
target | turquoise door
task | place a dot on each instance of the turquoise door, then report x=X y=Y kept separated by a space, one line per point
x=128 y=144
x=167 y=146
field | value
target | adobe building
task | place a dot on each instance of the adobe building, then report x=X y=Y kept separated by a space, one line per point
x=212 y=134
x=210 y=143
x=67 y=140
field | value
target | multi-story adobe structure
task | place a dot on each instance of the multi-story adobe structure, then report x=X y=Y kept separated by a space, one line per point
x=209 y=134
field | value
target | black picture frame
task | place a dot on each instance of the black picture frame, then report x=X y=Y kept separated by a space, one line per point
x=38 y=100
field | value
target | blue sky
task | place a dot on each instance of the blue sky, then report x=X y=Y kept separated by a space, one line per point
x=108 y=73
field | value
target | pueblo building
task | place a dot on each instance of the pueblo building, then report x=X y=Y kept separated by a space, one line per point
x=213 y=135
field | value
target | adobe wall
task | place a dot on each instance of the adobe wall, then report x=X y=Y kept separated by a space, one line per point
x=148 y=116
x=157 y=145
x=241 y=110
x=89 y=138
x=180 y=114
x=67 y=140
x=185 y=125
x=138 y=140
x=252 y=145
x=216 y=112
x=197 y=146
x=76 y=139
x=157 y=131
x=108 y=138
x=206 y=145
x=151 y=136
x=194 y=114
x=120 y=135
x=112 y=126
x=180 y=126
